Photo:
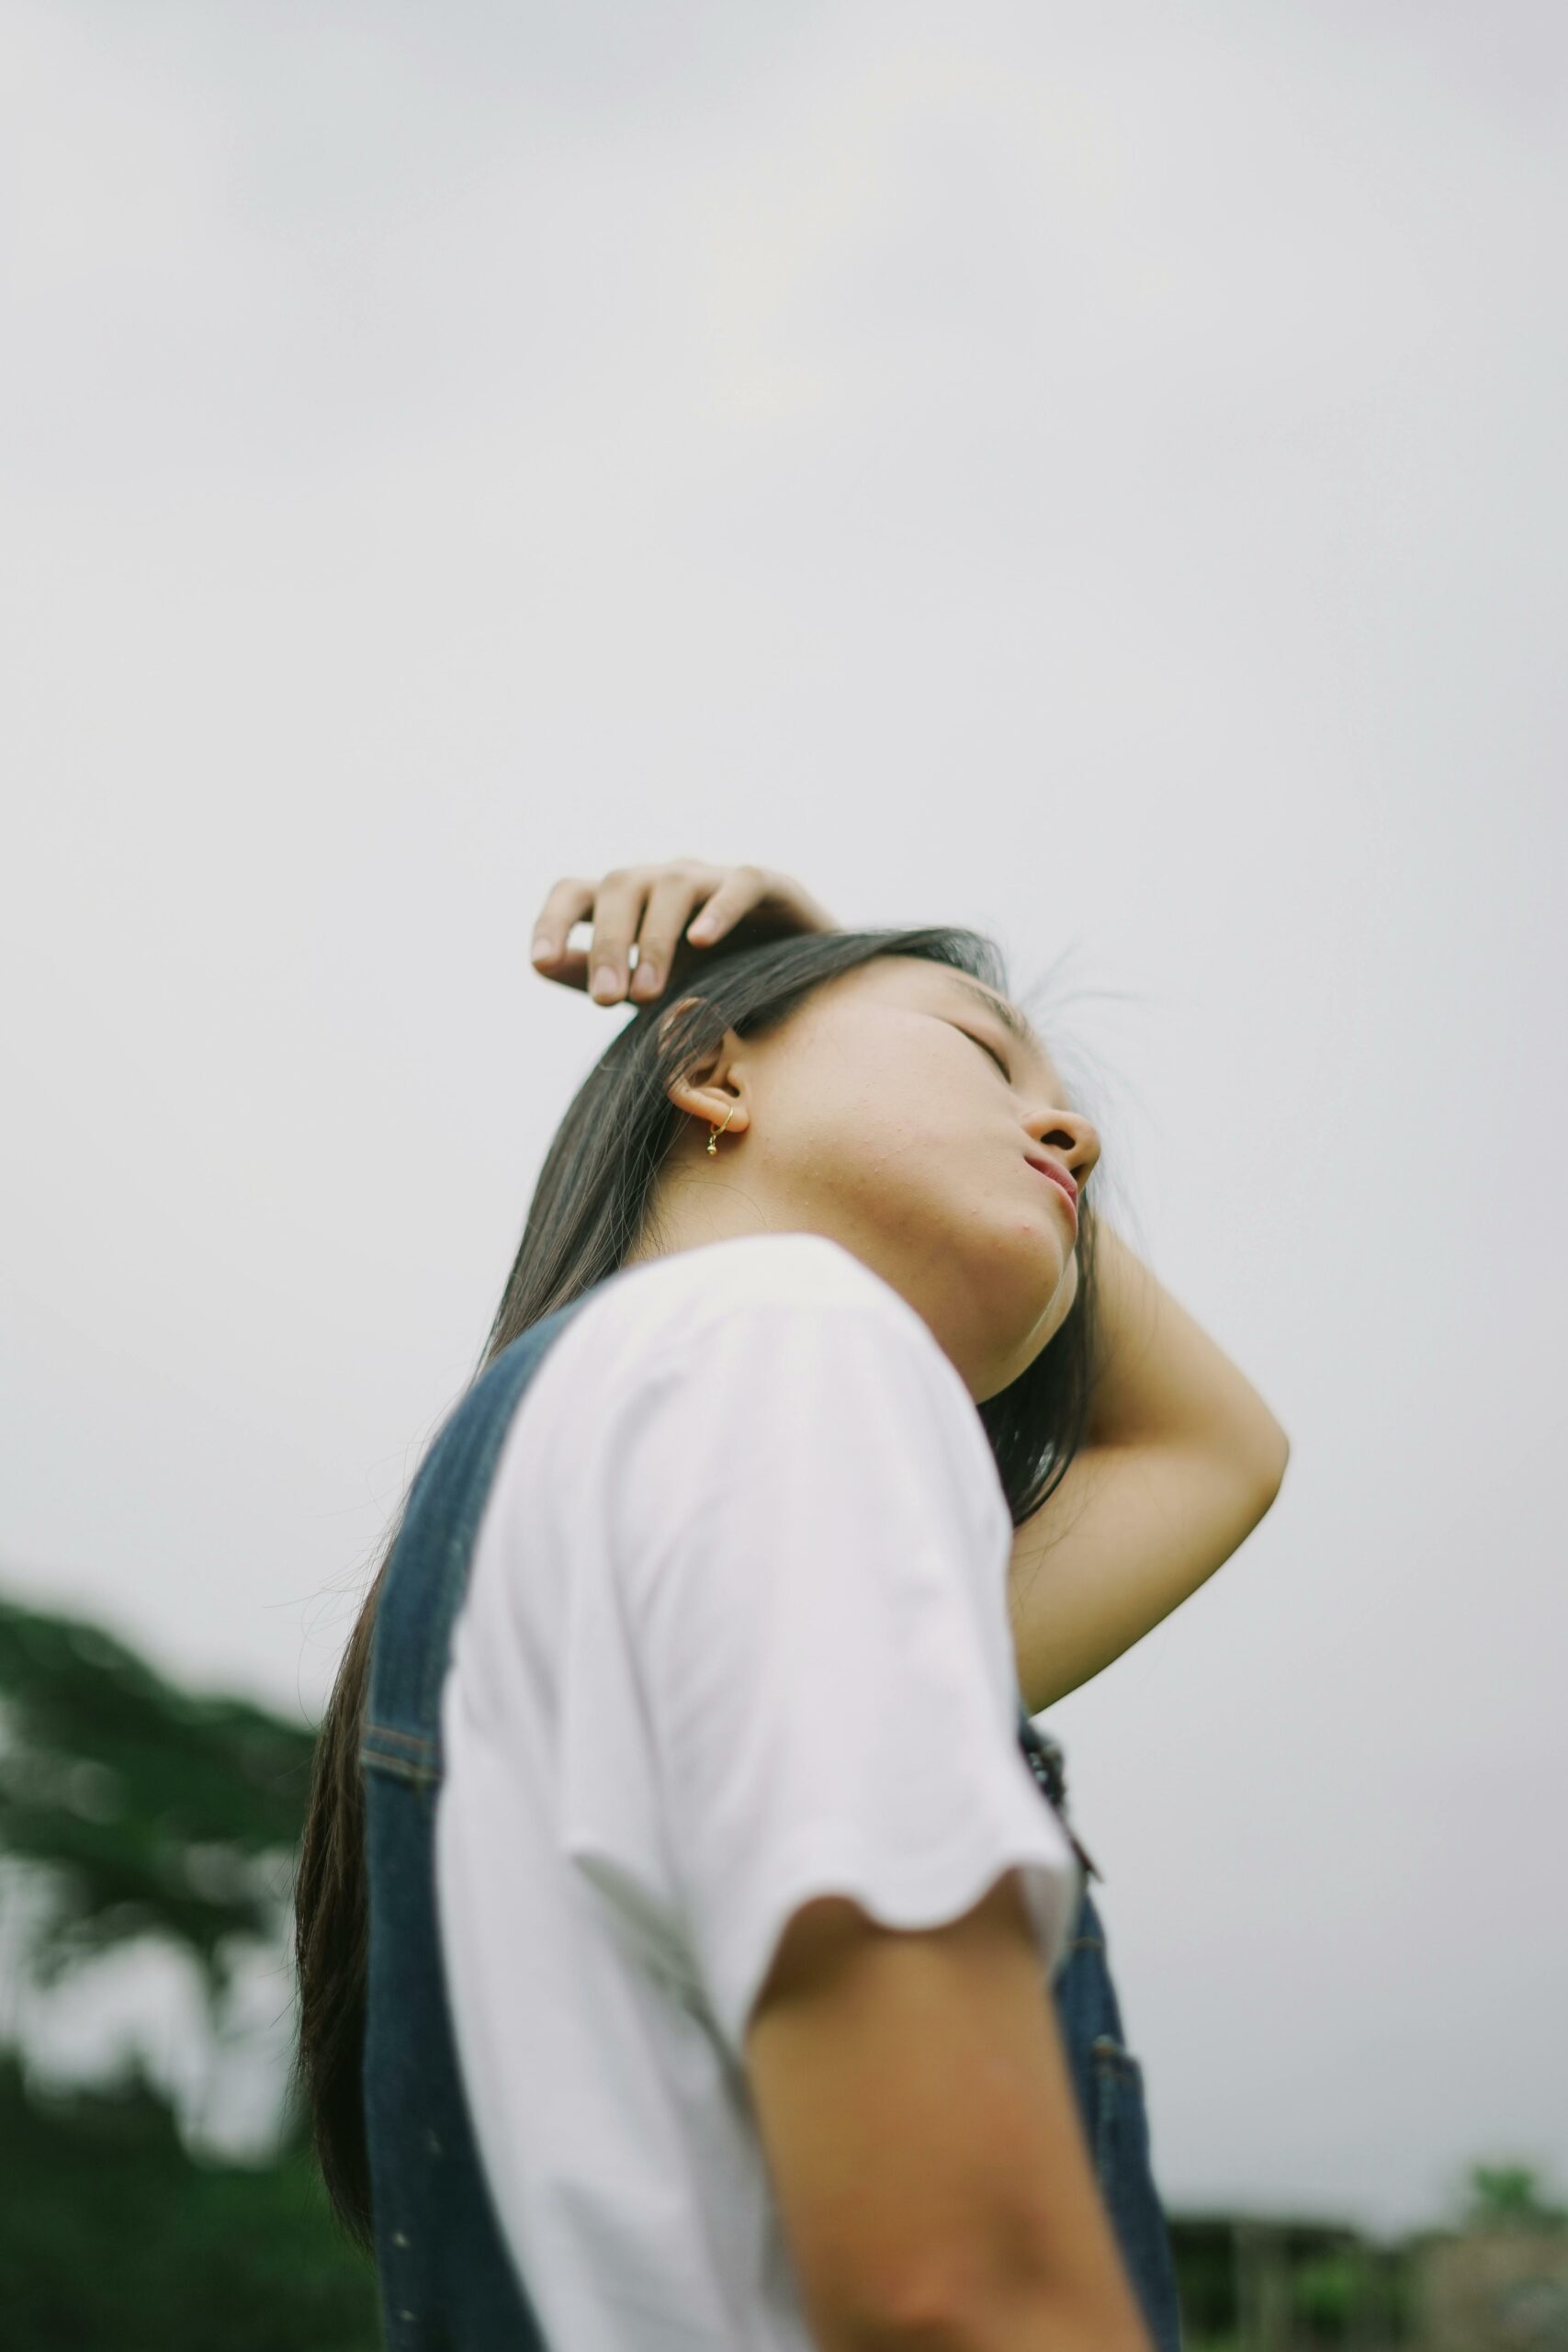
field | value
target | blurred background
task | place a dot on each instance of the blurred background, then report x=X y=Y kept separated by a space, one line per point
x=1097 y=478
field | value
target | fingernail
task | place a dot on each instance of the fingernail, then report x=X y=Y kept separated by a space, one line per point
x=646 y=978
x=542 y=947
x=606 y=981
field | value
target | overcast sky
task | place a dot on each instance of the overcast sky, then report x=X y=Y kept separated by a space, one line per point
x=1093 y=476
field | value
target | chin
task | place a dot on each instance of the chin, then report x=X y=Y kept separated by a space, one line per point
x=1015 y=1275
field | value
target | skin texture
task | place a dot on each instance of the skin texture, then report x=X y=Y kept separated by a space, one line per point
x=893 y=1114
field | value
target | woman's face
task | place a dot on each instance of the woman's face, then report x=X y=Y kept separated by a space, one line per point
x=896 y=1111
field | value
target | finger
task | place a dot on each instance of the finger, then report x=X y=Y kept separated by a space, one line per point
x=740 y=889
x=570 y=968
x=676 y=889
x=617 y=911
x=569 y=903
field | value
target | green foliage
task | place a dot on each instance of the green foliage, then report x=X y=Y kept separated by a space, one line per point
x=1204 y=2260
x=1509 y=2197
x=1323 y=2290
x=140 y=1810
x=149 y=1811
x=112 y=2240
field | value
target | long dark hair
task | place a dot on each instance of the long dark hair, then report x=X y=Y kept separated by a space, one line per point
x=589 y=1207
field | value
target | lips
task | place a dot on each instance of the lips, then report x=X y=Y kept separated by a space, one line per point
x=1060 y=1177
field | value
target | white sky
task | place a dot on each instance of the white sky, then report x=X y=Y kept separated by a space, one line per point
x=1095 y=477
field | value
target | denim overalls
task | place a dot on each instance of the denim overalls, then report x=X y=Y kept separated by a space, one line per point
x=447 y=2279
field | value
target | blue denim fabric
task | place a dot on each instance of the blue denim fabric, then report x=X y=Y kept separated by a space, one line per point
x=1109 y=2084
x=447 y=2282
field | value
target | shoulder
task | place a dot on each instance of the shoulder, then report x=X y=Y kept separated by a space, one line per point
x=780 y=1371
x=794 y=1321
x=777 y=1308
x=680 y=1302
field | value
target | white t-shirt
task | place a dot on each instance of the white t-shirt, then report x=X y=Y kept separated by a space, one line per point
x=735 y=1635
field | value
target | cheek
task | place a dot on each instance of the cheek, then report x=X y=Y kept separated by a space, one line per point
x=912 y=1161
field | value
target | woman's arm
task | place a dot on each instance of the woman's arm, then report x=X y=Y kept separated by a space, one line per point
x=1183 y=1459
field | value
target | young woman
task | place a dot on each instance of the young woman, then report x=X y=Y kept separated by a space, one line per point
x=822 y=1438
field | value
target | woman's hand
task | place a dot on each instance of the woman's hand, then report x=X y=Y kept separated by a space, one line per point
x=650 y=906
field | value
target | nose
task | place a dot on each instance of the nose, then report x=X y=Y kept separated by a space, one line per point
x=1073 y=1139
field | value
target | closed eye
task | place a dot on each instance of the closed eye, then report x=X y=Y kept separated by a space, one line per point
x=988 y=1050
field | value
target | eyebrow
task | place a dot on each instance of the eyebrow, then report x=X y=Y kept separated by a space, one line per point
x=1013 y=1021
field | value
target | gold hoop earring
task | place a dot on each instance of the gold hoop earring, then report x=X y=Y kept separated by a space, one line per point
x=715 y=1132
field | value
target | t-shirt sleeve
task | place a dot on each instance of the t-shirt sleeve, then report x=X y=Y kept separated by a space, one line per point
x=814 y=1547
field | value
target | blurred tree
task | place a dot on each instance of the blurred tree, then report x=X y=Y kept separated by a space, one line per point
x=146 y=1810
x=113 y=2240
x=1323 y=2290
x=1509 y=2197
x=128 y=1809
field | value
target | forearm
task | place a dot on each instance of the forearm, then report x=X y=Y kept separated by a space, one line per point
x=1182 y=1460
x=1161 y=1379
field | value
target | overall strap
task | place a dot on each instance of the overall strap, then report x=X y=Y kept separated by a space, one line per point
x=425 y=1587
x=446 y=2278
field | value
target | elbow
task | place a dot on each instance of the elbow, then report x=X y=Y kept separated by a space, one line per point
x=1250 y=1458
x=1268 y=1460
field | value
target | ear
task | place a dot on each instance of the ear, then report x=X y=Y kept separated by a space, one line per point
x=701 y=1089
